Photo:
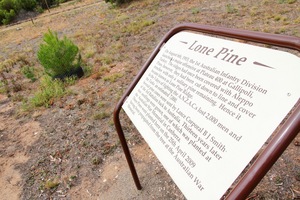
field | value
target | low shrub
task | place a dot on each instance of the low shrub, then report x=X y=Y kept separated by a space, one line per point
x=58 y=57
x=8 y=10
x=28 y=4
x=45 y=4
x=7 y=16
x=117 y=2
x=48 y=91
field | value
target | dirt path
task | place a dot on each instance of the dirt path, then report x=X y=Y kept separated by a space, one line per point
x=115 y=181
x=15 y=137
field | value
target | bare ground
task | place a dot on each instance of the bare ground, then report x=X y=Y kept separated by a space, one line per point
x=66 y=151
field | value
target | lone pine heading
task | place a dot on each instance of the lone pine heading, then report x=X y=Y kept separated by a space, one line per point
x=224 y=54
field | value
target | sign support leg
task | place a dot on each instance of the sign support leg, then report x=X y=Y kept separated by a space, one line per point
x=125 y=148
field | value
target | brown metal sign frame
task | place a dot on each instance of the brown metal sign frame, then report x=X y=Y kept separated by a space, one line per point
x=277 y=145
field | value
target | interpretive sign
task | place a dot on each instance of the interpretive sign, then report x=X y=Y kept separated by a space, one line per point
x=206 y=105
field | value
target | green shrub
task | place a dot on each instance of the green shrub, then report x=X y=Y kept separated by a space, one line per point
x=117 y=2
x=7 y=16
x=47 y=3
x=8 y=10
x=8 y=5
x=58 y=57
x=28 y=4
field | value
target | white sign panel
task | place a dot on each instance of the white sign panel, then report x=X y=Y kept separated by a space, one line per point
x=206 y=106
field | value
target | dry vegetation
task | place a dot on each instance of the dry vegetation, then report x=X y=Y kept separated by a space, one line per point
x=62 y=150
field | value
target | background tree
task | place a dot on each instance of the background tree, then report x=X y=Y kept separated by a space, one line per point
x=10 y=8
